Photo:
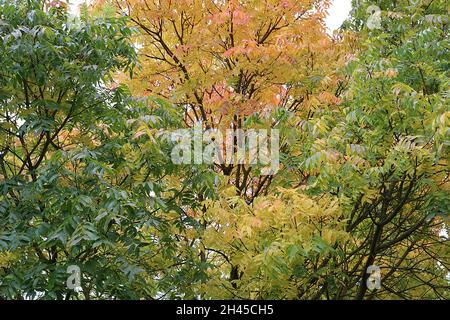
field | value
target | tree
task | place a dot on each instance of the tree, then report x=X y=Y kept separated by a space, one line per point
x=394 y=129
x=87 y=178
x=377 y=192
x=74 y=189
x=237 y=64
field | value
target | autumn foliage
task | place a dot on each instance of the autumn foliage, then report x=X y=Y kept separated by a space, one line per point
x=87 y=179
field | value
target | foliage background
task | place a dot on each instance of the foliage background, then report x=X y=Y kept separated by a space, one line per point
x=86 y=176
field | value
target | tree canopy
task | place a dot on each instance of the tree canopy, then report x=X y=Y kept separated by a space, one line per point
x=89 y=105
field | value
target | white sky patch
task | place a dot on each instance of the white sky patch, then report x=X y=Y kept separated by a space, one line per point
x=74 y=6
x=443 y=233
x=337 y=13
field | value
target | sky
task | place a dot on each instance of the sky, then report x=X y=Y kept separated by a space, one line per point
x=337 y=13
